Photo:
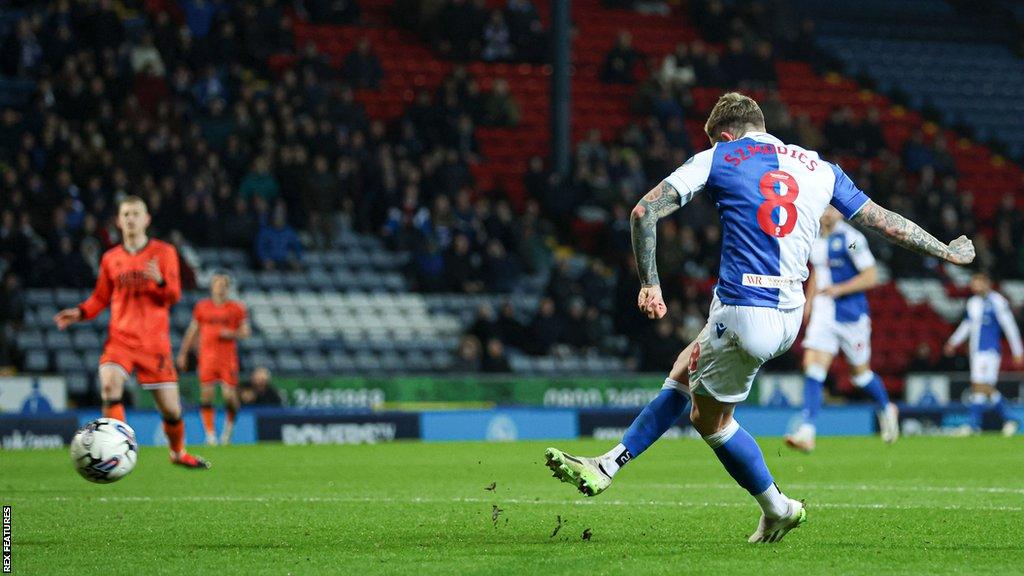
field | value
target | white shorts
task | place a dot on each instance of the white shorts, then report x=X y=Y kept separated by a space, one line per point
x=735 y=343
x=824 y=334
x=985 y=367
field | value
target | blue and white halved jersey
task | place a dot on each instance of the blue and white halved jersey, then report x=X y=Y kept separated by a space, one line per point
x=769 y=197
x=988 y=318
x=836 y=258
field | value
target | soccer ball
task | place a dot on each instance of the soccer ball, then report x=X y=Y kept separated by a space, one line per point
x=104 y=451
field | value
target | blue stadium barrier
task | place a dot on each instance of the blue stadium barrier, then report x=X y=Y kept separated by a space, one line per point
x=332 y=426
x=501 y=424
x=149 y=430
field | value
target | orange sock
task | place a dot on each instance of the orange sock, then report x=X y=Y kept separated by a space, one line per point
x=175 y=432
x=209 y=424
x=230 y=411
x=114 y=409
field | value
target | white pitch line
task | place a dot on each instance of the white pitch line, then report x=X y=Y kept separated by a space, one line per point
x=473 y=500
x=853 y=487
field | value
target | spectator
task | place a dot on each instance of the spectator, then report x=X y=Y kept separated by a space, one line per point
x=320 y=193
x=500 y=270
x=467 y=357
x=485 y=326
x=495 y=361
x=499 y=106
x=461 y=267
x=362 y=67
x=337 y=12
x=546 y=329
x=278 y=245
x=508 y=328
x=259 y=391
x=497 y=39
x=620 y=62
x=21 y=54
x=145 y=57
x=462 y=23
x=69 y=268
x=259 y=182
x=923 y=360
x=916 y=154
x=658 y=352
x=677 y=71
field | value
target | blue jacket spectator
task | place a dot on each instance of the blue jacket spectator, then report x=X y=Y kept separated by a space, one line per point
x=278 y=245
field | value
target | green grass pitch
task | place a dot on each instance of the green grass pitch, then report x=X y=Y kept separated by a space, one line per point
x=924 y=506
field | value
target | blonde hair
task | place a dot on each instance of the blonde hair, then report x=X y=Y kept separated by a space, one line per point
x=733 y=112
x=132 y=199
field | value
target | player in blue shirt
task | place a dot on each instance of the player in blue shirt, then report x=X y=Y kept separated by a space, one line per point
x=770 y=197
x=988 y=318
x=838 y=309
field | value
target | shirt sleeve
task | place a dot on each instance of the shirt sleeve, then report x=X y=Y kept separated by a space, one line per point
x=846 y=197
x=1009 y=325
x=860 y=252
x=964 y=329
x=170 y=292
x=690 y=178
x=100 y=297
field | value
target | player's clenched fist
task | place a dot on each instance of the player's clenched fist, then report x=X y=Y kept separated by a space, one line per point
x=961 y=251
x=651 y=302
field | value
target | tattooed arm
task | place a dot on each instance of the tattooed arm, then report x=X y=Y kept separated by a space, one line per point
x=905 y=233
x=658 y=203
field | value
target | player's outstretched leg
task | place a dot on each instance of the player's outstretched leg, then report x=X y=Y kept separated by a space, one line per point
x=887 y=412
x=814 y=385
x=169 y=403
x=593 y=475
x=742 y=458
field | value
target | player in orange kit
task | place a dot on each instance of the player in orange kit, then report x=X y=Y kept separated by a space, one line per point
x=139 y=281
x=219 y=324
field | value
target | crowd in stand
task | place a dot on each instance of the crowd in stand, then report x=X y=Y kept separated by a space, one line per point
x=179 y=108
x=470 y=30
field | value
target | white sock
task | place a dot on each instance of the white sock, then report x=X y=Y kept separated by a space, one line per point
x=773 y=502
x=614 y=459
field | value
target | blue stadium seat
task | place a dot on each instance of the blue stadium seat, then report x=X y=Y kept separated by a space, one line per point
x=37 y=361
x=58 y=340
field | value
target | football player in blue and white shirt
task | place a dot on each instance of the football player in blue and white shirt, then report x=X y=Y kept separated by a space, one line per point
x=770 y=197
x=988 y=318
x=843 y=269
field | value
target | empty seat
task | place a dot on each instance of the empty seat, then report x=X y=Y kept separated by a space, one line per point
x=37 y=361
x=69 y=361
x=58 y=340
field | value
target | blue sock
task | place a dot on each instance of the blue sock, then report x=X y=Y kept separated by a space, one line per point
x=655 y=419
x=741 y=457
x=872 y=385
x=813 y=395
x=1001 y=407
x=979 y=406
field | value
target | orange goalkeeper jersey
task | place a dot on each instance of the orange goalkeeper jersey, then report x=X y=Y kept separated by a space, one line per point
x=140 y=309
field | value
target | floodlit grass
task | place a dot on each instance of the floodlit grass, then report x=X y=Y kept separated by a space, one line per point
x=923 y=506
